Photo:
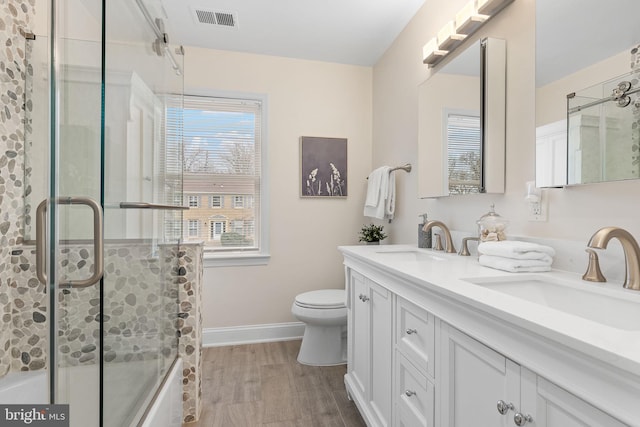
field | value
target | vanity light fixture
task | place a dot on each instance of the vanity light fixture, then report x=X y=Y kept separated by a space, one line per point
x=431 y=54
x=490 y=7
x=468 y=19
x=471 y=17
x=448 y=38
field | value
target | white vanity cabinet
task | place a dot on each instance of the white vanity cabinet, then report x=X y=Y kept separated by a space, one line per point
x=551 y=406
x=480 y=386
x=473 y=379
x=422 y=354
x=369 y=373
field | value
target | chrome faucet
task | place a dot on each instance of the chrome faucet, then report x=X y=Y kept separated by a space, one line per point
x=450 y=249
x=601 y=238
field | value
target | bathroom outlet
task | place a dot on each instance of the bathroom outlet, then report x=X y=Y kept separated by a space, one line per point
x=538 y=211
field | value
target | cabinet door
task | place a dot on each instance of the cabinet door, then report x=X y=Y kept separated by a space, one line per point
x=550 y=406
x=380 y=319
x=473 y=378
x=358 y=334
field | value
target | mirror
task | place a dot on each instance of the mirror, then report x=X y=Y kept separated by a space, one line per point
x=461 y=123
x=581 y=137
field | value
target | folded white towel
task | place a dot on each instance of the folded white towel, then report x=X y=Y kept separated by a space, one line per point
x=516 y=249
x=515 y=265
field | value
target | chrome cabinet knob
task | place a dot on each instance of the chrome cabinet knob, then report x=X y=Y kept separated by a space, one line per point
x=409 y=393
x=363 y=298
x=521 y=419
x=411 y=331
x=504 y=407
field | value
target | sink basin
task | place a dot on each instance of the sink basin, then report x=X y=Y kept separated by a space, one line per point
x=612 y=307
x=408 y=255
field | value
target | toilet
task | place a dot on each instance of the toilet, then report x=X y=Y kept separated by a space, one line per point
x=325 y=335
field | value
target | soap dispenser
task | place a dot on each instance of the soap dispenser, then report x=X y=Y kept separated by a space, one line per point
x=424 y=237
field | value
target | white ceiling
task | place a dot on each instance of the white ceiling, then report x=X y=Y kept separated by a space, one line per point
x=570 y=34
x=344 y=31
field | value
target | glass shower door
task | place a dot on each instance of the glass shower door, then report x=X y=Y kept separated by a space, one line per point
x=142 y=180
x=110 y=234
x=68 y=221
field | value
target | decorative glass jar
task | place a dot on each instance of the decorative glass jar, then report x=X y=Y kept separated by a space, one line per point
x=492 y=226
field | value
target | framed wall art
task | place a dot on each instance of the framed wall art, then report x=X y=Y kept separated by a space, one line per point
x=323 y=167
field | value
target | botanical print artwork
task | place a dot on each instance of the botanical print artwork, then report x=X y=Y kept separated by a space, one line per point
x=323 y=164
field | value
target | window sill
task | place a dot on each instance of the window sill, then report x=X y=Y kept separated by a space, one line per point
x=235 y=259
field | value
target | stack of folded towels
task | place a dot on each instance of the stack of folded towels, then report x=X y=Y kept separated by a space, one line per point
x=515 y=256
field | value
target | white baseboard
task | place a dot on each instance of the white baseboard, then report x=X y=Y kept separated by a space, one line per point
x=234 y=335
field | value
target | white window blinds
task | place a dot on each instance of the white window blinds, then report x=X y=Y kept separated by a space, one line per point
x=464 y=154
x=171 y=166
x=222 y=157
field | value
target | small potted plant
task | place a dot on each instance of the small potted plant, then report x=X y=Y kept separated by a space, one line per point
x=372 y=234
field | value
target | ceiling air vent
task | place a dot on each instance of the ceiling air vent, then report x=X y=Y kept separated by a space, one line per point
x=218 y=18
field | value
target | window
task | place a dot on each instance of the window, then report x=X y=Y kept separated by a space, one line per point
x=193 y=228
x=238 y=226
x=194 y=201
x=224 y=150
x=217 y=202
x=464 y=152
x=173 y=227
x=238 y=202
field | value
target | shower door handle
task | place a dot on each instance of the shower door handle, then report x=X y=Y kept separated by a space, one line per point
x=98 y=240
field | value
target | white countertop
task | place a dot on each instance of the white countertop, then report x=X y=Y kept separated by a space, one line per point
x=444 y=273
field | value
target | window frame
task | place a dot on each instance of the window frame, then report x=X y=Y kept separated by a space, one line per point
x=239 y=198
x=261 y=256
x=213 y=197
x=197 y=227
x=196 y=198
x=474 y=187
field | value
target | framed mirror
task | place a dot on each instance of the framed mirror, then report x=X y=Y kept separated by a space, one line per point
x=583 y=134
x=461 y=124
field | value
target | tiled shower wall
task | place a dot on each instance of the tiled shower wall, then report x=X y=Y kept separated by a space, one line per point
x=14 y=21
x=190 y=328
x=150 y=297
x=153 y=282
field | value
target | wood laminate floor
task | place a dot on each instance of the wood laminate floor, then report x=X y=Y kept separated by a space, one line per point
x=263 y=385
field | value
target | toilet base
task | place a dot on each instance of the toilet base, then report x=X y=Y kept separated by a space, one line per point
x=323 y=346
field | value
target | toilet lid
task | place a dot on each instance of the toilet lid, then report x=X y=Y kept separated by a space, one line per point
x=324 y=298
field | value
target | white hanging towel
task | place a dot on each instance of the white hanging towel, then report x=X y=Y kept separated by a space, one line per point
x=377 y=192
x=390 y=202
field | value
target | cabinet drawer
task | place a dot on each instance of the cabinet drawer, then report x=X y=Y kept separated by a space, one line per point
x=415 y=335
x=415 y=395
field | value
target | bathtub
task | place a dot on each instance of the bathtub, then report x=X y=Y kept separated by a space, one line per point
x=32 y=387
x=24 y=387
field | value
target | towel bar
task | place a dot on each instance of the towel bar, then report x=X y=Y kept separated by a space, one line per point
x=406 y=168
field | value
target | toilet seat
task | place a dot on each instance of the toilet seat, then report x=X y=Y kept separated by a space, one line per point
x=322 y=299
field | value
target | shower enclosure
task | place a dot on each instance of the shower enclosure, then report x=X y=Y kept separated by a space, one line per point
x=604 y=131
x=102 y=206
